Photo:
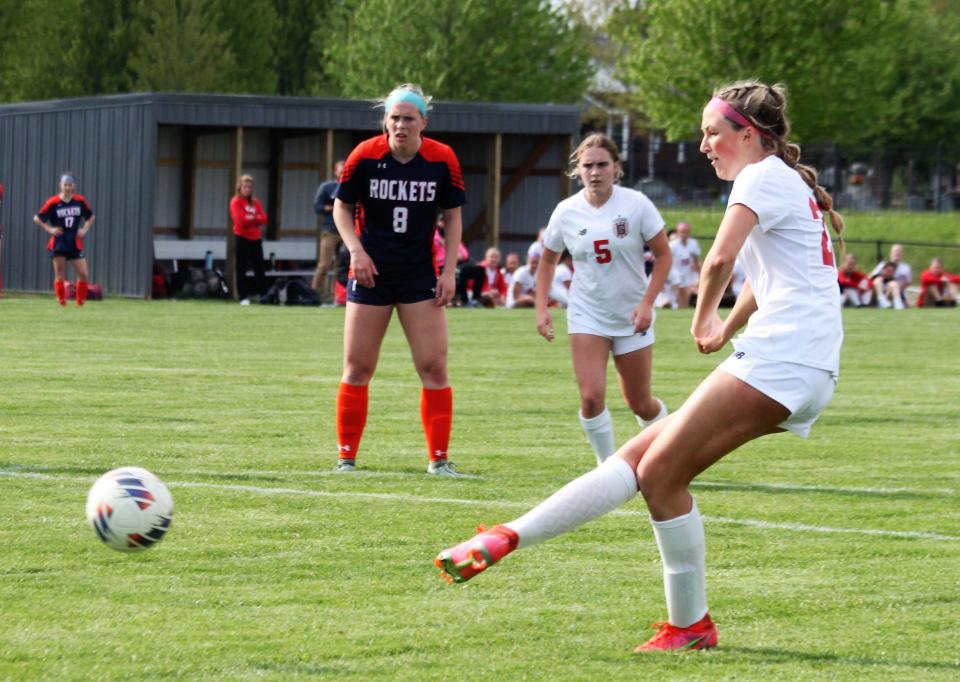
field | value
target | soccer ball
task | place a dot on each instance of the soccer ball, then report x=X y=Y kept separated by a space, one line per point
x=129 y=509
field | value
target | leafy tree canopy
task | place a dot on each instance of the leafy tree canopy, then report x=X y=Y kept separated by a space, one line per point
x=870 y=71
x=493 y=50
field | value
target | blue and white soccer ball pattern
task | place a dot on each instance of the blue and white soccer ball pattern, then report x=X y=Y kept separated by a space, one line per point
x=129 y=509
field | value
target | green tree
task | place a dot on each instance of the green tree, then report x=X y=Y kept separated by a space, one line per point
x=251 y=28
x=181 y=48
x=493 y=50
x=871 y=71
x=297 y=60
x=66 y=48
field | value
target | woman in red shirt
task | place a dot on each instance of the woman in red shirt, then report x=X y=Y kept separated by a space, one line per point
x=938 y=287
x=856 y=289
x=248 y=220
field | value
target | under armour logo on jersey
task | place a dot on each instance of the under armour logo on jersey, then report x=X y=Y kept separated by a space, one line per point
x=382 y=165
x=582 y=232
x=739 y=355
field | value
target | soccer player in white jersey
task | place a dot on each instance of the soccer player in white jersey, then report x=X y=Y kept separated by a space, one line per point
x=780 y=377
x=610 y=309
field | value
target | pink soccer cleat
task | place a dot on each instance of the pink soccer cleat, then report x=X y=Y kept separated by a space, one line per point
x=700 y=635
x=459 y=564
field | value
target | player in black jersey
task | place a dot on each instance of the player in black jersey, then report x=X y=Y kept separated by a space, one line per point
x=67 y=218
x=391 y=188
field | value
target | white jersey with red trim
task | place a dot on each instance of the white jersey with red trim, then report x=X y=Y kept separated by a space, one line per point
x=788 y=260
x=606 y=243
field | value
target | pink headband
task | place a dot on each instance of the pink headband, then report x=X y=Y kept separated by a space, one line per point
x=734 y=115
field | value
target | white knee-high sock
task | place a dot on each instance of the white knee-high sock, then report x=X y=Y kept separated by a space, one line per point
x=597 y=492
x=599 y=432
x=683 y=551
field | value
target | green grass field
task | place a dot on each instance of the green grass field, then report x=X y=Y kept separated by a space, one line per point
x=831 y=558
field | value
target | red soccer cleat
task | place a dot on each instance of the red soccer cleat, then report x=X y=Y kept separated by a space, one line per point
x=459 y=564
x=700 y=635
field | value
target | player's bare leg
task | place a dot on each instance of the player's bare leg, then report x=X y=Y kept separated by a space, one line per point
x=590 y=353
x=425 y=326
x=709 y=425
x=363 y=331
x=634 y=372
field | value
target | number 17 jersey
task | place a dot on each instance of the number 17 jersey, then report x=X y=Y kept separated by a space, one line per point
x=399 y=201
x=606 y=243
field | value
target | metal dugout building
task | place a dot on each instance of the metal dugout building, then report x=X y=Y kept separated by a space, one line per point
x=159 y=171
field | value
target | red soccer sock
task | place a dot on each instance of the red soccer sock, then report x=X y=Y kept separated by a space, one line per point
x=436 y=412
x=351 y=418
x=60 y=289
x=82 y=288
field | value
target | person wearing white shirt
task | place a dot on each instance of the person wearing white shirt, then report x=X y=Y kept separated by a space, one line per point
x=521 y=289
x=536 y=247
x=605 y=227
x=780 y=377
x=902 y=277
x=686 y=265
x=562 y=278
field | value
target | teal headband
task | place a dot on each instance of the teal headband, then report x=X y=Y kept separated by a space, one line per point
x=410 y=96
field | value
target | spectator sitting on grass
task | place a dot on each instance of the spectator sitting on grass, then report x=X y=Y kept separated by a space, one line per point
x=521 y=292
x=494 y=293
x=938 y=287
x=855 y=287
x=887 y=288
x=903 y=273
x=510 y=267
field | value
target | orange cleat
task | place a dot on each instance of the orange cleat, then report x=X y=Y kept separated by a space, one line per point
x=700 y=635
x=459 y=564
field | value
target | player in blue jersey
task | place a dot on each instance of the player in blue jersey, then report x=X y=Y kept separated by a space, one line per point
x=391 y=189
x=67 y=218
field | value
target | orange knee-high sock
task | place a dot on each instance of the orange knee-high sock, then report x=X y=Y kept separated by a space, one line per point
x=60 y=289
x=351 y=418
x=436 y=412
x=82 y=288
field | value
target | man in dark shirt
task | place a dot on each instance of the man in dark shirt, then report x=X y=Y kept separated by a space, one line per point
x=329 y=238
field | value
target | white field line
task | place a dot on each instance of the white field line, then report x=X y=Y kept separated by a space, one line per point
x=416 y=499
x=724 y=485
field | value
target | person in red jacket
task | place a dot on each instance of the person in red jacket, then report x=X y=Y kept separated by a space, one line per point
x=67 y=217
x=248 y=221
x=856 y=288
x=938 y=287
